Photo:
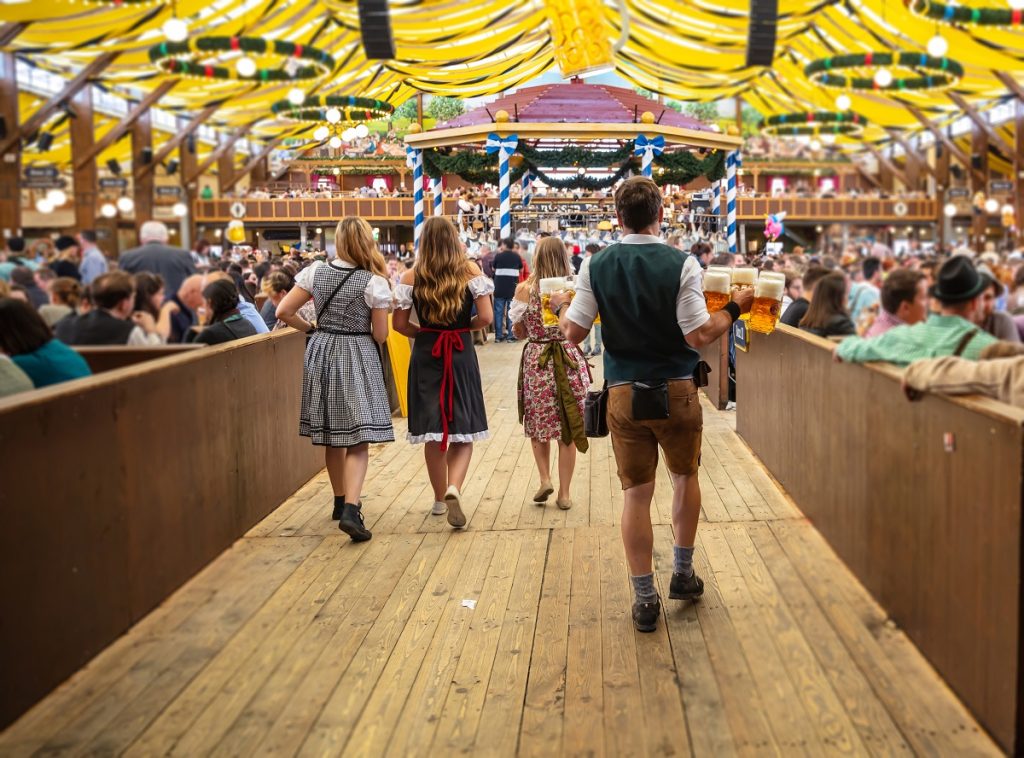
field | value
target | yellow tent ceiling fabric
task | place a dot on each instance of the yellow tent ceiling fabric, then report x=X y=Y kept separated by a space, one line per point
x=689 y=50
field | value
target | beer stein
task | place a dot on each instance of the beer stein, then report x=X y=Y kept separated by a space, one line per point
x=549 y=287
x=767 y=307
x=716 y=289
x=743 y=278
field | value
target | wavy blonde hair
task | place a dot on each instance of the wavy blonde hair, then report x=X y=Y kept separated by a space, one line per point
x=354 y=241
x=550 y=260
x=442 y=270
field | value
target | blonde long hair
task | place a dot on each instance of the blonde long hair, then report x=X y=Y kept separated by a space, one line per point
x=442 y=270
x=354 y=241
x=550 y=260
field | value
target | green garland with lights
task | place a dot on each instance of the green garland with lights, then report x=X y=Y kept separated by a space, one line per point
x=962 y=14
x=814 y=122
x=941 y=72
x=480 y=168
x=179 y=58
x=314 y=109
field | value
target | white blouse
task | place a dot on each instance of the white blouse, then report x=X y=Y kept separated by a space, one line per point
x=517 y=311
x=377 y=293
x=478 y=286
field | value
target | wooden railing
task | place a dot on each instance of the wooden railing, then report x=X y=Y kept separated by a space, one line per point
x=110 y=357
x=921 y=500
x=117 y=488
x=400 y=209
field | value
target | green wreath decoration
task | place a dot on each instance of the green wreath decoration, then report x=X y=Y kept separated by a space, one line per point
x=179 y=58
x=480 y=168
x=314 y=109
x=929 y=73
x=814 y=122
x=957 y=14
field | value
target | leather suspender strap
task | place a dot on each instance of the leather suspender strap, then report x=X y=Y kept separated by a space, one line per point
x=964 y=342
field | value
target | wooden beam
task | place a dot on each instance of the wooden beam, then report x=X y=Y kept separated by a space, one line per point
x=912 y=152
x=122 y=126
x=225 y=171
x=867 y=175
x=889 y=165
x=982 y=123
x=188 y=161
x=72 y=88
x=10 y=166
x=979 y=224
x=947 y=143
x=1018 y=167
x=1011 y=84
x=142 y=187
x=179 y=138
x=252 y=163
x=220 y=150
x=10 y=32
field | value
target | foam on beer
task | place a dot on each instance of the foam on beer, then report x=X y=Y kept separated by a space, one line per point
x=744 y=276
x=770 y=285
x=716 y=281
x=555 y=284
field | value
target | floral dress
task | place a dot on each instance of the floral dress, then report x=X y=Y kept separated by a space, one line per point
x=553 y=379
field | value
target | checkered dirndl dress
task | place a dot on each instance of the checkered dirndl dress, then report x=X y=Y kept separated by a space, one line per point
x=344 y=400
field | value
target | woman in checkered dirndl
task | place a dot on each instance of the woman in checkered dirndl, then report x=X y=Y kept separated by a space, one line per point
x=344 y=398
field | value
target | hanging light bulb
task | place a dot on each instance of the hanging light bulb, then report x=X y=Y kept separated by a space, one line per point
x=108 y=210
x=321 y=133
x=348 y=135
x=828 y=139
x=362 y=130
x=992 y=205
x=44 y=206
x=180 y=210
x=296 y=96
x=125 y=204
x=333 y=115
x=175 y=29
x=245 y=66
x=335 y=142
x=883 y=77
x=1006 y=210
x=815 y=145
x=937 y=46
x=57 y=196
x=1017 y=5
x=949 y=210
x=843 y=102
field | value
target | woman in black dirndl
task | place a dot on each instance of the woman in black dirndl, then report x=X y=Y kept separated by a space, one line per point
x=344 y=399
x=434 y=303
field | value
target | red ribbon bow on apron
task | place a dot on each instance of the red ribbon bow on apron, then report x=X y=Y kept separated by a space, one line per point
x=448 y=341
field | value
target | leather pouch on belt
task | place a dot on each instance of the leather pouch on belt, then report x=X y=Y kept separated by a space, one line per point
x=650 y=400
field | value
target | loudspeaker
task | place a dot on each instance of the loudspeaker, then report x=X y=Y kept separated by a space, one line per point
x=146 y=155
x=956 y=171
x=190 y=143
x=764 y=14
x=45 y=141
x=114 y=166
x=375 y=28
x=976 y=162
x=172 y=166
x=3 y=128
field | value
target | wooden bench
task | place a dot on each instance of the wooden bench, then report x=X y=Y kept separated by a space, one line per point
x=921 y=500
x=117 y=488
x=109 y=357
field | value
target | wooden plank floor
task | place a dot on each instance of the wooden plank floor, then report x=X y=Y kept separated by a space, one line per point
x=513 y=636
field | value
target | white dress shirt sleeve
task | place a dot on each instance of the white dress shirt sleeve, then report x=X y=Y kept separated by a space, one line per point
x=691 y=307
x=583 y=309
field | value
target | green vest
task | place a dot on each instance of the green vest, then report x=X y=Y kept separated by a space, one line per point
x=636 y=287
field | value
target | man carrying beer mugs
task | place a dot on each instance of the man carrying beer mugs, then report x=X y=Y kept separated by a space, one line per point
x=654 y=319
x=764 y=314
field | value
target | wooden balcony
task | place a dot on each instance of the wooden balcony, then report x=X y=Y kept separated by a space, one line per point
x=400 y=209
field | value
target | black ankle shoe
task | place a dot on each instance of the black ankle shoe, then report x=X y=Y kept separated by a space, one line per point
x=686 y=587
x=645 y=615
x=339 y=508
x=351 y=523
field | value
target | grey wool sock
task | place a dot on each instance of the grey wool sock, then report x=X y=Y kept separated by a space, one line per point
x=683 y=558
x=643 y=588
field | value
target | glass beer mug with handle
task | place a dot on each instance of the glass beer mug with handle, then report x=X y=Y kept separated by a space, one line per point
x=549 y=287
x=716 y=289
x=742 y=278
x=767 y=307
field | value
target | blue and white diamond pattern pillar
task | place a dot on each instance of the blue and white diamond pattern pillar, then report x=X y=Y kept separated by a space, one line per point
x=716 y=204
x=436 y=190
x=647 y=148
x=414 y=159
x=528 y=178
x=504 y=147
x=732 y=163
